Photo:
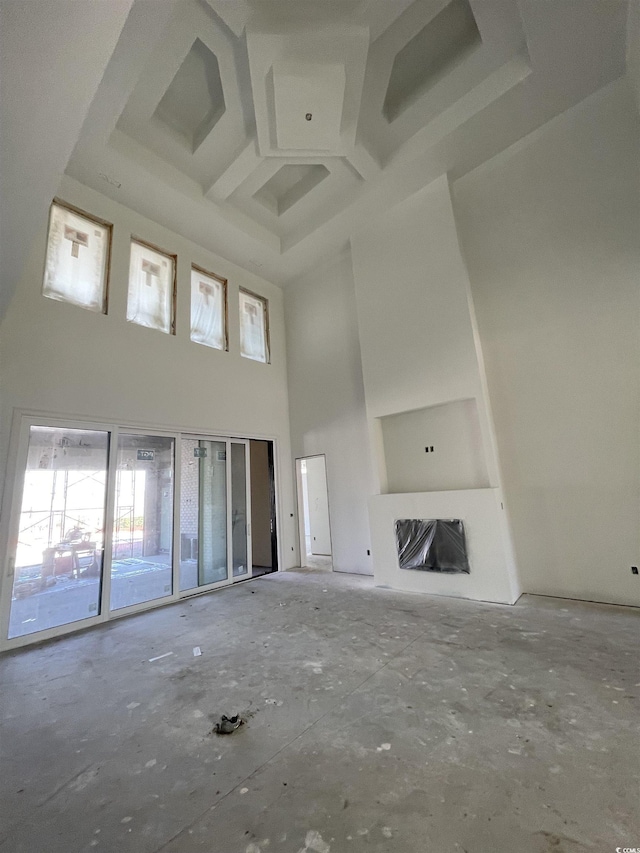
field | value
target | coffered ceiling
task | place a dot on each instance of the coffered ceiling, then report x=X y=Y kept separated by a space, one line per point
x=266 y=129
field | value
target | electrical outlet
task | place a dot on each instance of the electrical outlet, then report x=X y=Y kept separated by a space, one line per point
x=634 y=570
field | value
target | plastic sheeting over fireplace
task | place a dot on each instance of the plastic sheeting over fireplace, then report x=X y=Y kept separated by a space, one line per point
x=432 y=545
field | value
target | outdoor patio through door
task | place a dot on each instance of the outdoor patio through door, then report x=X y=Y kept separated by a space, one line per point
x=214 y=512
x=108 y=520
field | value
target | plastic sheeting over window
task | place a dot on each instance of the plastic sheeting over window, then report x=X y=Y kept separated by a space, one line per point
x=208 y=309
x=253 y=327
x=151 y=288
x=432 y=545
x=77 y=255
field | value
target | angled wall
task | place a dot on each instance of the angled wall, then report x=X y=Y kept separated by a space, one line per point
x=327 y=401
x=551 y=235
x=420 y=353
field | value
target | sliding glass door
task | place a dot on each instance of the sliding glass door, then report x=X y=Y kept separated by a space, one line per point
x=203 y=513
x=214 y=512
x=93 y=523
x=58 y=563
x=141 y=554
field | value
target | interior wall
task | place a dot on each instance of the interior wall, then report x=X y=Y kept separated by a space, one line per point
x=62 y=360
x=52 y=59
x=420 y=350
x=326 y=397
x=550 y=231
x=260 y=504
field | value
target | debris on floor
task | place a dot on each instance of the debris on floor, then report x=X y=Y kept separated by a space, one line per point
x=228 y=725
x=197 y=651
x=159 y=657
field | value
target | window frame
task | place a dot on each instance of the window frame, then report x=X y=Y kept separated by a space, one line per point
x=267 y=336
x=225 y=307
x=174 y=285
x=97 y=220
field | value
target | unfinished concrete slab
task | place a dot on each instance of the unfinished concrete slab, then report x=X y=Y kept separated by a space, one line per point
x=376 y=721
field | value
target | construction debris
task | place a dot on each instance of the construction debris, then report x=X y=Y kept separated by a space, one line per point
x=228 y=725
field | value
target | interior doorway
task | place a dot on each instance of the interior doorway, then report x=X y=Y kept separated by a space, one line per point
x=264 y=541
x=313 y=512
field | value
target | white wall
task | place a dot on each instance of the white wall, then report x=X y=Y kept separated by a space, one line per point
x=65 y=361
x=551 y=236
x=419 y=350
x=52 y=58
x=327 y=401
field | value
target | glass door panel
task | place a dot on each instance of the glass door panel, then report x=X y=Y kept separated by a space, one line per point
x=143 y=520
x=239 y=509
x=58 y=569
x=203 y=513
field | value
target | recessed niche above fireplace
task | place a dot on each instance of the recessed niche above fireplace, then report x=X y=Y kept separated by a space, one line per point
x=434 y=449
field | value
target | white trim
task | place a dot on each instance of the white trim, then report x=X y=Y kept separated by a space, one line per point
x=278 y=503
x=143 y=427
x=176 y=539
x=302 y=537
x=107 y=553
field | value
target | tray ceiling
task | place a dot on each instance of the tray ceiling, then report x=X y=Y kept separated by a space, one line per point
x=265 y=129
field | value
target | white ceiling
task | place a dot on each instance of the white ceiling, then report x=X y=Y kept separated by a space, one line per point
x=266 y=130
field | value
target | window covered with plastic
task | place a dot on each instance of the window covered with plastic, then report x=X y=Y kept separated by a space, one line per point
x=151 y=288
x=208 y=309
x=77 y=259
x=432 y=545
x=254 y=339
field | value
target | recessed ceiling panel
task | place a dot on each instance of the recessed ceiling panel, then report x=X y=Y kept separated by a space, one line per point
x=310 y=70
x=289 y=185
x=309 y=99
x=194 y=102
x=434 y=51
x=440 y=63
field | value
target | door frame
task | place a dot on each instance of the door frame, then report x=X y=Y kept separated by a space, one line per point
x=273 y=503
x=12 y=507
x=300 y=504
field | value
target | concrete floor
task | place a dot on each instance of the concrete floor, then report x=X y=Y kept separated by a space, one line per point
x=380 y=722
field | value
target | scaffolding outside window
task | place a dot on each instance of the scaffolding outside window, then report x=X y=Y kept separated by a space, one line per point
x=254 y=327
x=208 y=309
x=152 y=287
x=77 y=260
